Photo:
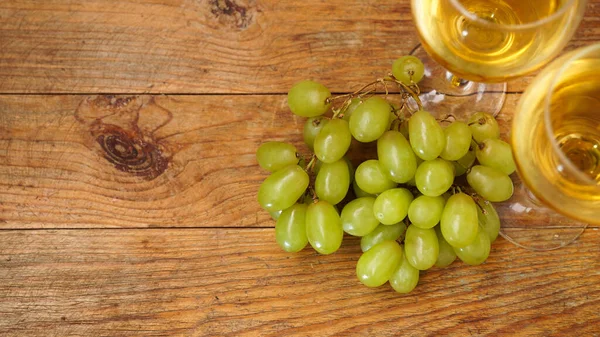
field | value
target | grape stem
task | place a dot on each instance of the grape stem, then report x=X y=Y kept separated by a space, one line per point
x=456 y=188
x=448 y=118
x=355 y=93
x=407 y=92
x=311 y=163
x=480 y=121
x=478 y=201
x=313 y=194
x=412 y=93
x=340 y=112
x=396 y=112
x=396 y=124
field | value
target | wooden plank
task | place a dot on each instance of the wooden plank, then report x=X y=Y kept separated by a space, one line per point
x=60 y=165
x=216 y=46
x=236 y=282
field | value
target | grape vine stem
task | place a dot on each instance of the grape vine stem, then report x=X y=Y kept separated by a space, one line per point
x=311 y=163
x=407 y=92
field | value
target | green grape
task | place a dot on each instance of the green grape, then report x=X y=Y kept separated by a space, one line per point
x=421 y=247
x=476 y=252
x=357 y=217
x=405 y=277
x=459 y=223
x=447 y=254
x=333 y=141
x=275 y=214
x=282 y=188
x=496 y=153
x=273 y=156
x=333 y=181
x=371 y=178
x=426 y=135
x=463 y=164
x=434 y=177
x=350 y=169
x=311 y=129
x=370 y=120
x=354 y=103
x=360 y=193
x=382 y=233
x=290 y=229
x=375 y=266
x=391 y=206
x=324 y=227
x=483 y=126
x=425 y=212
x=308 y=98
x=459 y=170
x=396 y=156
x=408 y=69
x=490 y=183
x=458 y=140
x=488 y=221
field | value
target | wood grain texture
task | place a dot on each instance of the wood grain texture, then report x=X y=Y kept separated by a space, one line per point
x=232 y=282
x=207 y=46
x=65 y=163
x=137 y=214
x=57 y=172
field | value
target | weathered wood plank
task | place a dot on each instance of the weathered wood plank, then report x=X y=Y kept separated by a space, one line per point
x=61 y=165
x=216 y=46
x=64 y=161
x=236 y=282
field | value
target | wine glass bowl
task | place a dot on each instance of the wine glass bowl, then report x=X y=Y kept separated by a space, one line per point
x=556 y=137
x=495 y=40
x=471 y=47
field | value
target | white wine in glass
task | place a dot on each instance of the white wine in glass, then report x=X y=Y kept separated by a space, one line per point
x=491 y=41
x=556 y=138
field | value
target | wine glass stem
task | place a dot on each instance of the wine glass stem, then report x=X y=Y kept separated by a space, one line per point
x=455 y=81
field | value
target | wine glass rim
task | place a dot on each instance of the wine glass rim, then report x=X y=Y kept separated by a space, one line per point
x=571 y=167
x=513 y=27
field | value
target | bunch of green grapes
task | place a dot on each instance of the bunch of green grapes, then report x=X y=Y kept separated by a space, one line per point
x=424 y=201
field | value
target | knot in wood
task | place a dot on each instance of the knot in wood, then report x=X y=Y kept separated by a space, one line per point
x=129 y=153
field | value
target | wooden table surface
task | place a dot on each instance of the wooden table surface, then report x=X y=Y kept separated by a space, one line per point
x=174 y=242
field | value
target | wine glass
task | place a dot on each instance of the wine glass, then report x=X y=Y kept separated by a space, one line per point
x=556 y=145
x=468 y=42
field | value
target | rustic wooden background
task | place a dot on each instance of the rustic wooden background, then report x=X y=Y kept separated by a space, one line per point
x=172 y=242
